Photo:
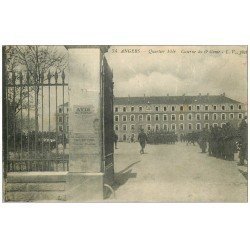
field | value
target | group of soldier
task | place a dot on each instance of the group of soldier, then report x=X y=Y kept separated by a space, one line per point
x=220 y=142
x=162 y=137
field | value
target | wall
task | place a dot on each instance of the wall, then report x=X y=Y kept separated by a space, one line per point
x=36 y=186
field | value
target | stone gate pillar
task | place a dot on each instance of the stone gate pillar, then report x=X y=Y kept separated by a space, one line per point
x=85 y=180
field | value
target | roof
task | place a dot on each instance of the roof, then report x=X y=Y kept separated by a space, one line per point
x=66 y=104
x=200 y=99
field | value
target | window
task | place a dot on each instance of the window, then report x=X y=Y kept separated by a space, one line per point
x=215 y=107
x=124 y=127
x=149 y=127
x=60 y=128
x=124 y=137
x=124 y=118
x=181 y=117
x=165 y=108
x=231 y=116
x=198 y=107
x=190 y=117
x=206 y=107
x=67 y=110
x=172 y=117
x=173 y=108
x=223 y=116
x=140 y=118
x=124 y=109
x=222 y=125
x=181 y=108
x=116 y=109
x=240 y=116
x=206 y=117
x=190 y=107
x=198 y=126
x=60 y=110
x=132 y=109
x=132 y=118
x=173 y=126
x=157 y=126
x=67 y=128
x=116 y=127
x=157 y=117
x=132 y=127
x=181 y=126
x=157 y=108
x=239 y=106
x=148 y=118
x=206 y=125
x=214 y=116
x=189 y=126
x=215 y=125
x=198 y=117
x=232 y=107
x=223 y=107
x=140 y=108
x=165 y=126
x=60 y=119
x=165 y=117
x=116 y=118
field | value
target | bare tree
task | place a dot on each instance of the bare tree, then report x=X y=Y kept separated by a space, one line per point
x=36 y=61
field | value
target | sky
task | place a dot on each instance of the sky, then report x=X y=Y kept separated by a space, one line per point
x=178 y=70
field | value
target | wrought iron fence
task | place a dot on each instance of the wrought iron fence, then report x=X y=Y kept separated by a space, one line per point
x=36 y=122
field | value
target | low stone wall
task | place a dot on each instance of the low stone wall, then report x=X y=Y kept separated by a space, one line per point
x=53 y=187
x=36 y=186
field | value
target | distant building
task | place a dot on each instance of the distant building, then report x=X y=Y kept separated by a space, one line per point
x=62 y=116
x=181 y=114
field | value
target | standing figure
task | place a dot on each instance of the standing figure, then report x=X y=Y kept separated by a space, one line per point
x=203 y=141
x=115 y=139
x=142 y=138
x=243 y=143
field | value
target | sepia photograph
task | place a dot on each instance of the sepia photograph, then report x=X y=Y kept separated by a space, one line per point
x=107 y=123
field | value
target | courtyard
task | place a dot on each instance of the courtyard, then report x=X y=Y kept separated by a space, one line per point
x=176 y=173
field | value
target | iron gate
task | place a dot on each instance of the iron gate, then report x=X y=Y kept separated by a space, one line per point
x=35 y=121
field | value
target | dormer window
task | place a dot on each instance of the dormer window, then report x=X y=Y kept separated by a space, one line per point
x=157 y=108
x=181 y=108
x=173 y=108
x=124 y=109
x=232 y=107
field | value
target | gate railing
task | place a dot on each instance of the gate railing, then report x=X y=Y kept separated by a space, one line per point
x=37 y=122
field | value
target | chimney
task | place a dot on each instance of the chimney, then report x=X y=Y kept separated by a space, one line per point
x=223 y=94
x=167 y=94
x=199 y=94
x=144 y=97
x=207 y=94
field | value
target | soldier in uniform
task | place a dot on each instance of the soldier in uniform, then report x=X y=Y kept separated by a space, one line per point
x=203 y=141
x=115 y=139
x=243 y=143
x=142 y=138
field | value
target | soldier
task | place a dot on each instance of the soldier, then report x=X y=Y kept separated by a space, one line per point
x=115 y=138
x=142 y=138
x=203 y=141
x=243 y=143
x=229 y=142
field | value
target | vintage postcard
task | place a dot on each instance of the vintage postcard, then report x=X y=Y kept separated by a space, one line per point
x=104 y=123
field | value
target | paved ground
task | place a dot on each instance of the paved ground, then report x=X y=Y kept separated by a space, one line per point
x=176 y=173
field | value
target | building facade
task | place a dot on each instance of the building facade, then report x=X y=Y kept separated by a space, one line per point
x=62 y=116
x=181 y=114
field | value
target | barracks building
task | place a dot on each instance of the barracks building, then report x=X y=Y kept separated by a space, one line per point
x=181 y=114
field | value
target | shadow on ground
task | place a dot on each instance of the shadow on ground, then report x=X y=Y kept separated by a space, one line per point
x=122 y=177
